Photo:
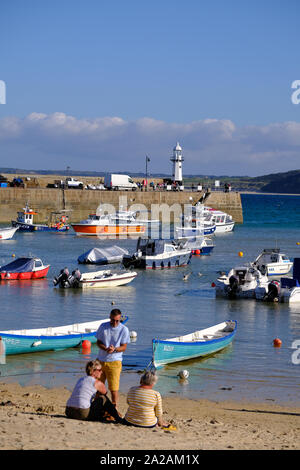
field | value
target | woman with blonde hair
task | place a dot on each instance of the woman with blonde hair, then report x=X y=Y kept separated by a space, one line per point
x=88 y=400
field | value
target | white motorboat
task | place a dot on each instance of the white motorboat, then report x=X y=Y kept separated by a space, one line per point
x=195 y=223
x=272 y=262
x=103 y=278
x=158 y=254
x=288 y=289
x=6 y=233
x=241 y=282
x=125 y=216
x=224 y=222
x=199 y=245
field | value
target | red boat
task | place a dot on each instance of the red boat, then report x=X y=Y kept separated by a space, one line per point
x=24 y=268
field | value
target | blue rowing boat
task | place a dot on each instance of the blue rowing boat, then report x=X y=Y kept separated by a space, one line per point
x=51 y=338
x=197 y=344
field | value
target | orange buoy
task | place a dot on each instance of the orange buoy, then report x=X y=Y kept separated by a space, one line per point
x=197 y=252
x=277 y=342
x=213 y=284
x=86 y=346
x=241 y=254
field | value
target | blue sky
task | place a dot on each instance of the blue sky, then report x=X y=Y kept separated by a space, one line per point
x=97 y=85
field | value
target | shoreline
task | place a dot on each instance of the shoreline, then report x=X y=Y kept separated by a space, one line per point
x=33 y=418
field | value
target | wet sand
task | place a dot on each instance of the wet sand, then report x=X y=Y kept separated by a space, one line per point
x=33 y=418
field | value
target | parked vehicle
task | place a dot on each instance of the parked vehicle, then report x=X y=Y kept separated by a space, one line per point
x=122 y=182
x=74 y=183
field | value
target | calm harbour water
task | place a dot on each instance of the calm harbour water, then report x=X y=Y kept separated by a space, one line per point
x=160 y=304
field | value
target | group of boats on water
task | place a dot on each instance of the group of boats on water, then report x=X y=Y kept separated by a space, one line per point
x=256 y=279
x=192 y=237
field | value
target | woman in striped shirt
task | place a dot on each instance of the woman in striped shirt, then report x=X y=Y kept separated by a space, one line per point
x=145 y=404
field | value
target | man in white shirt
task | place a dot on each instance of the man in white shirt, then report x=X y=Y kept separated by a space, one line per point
x=112 y=339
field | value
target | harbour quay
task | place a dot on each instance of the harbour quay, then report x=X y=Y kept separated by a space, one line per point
x=80 y=203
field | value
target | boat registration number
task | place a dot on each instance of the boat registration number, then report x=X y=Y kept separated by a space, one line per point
x=168 y=348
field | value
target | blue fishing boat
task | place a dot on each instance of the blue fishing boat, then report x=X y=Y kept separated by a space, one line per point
x=197 y=344
x=51 y=338
x=24 y=222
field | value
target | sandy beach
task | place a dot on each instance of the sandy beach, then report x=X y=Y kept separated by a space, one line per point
x=33 y=418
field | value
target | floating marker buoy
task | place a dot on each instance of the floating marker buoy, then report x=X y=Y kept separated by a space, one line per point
x=277 y=342
x=86 y=346
x=133 y=334
x=213 y=284
x=197 y=252
x=297 y=243
x=13 y=255
x=241 y=254
x=183 y=374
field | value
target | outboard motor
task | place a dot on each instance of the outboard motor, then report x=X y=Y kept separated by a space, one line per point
x=273 y=292
x=74 y=278
x=233 y=286
x=62 y=278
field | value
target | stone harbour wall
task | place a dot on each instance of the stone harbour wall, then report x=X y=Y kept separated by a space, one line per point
x=81 y=203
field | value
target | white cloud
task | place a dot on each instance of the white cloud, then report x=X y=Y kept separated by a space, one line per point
x=211 y=146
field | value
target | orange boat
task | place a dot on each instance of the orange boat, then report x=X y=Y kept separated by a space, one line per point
x=103 y=225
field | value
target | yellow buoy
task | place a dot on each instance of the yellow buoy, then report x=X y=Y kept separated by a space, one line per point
x=298 y=243
x=241 y=253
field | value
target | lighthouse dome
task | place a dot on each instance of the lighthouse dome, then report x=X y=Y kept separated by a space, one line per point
x=177 y=147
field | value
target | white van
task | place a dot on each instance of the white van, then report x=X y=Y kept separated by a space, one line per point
x=114 y=181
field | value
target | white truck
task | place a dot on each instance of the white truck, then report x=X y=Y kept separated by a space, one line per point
x=122 y=182
x=74 y=183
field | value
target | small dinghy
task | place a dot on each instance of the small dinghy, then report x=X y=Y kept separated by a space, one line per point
x=24 y=268
x=51 y=338
x=197 y=344
x=100 y=256
x=104 y=278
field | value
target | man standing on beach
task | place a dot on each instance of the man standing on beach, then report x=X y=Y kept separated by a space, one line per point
x=112 y=339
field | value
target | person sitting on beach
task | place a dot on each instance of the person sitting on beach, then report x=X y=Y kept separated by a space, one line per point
x=145 y=404
x=88 y=400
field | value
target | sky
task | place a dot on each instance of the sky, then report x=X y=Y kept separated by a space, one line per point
x=98 y=85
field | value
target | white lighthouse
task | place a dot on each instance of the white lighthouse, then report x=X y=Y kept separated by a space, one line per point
x=177 y=160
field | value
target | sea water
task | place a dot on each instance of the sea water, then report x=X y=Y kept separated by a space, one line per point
x=160 y=304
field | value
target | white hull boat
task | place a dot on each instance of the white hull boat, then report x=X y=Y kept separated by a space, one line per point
x=241 y=282
x=272 y=262
x=106 y=278
x=6 y=233
x=96 y=279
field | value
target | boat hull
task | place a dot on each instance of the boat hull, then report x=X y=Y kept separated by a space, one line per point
x=38 y=274
x=7 y=233
x=108 y=230
x=38 y=228
x=151 y=262
x=102 y=283
x=21 y=344
x=167 y=352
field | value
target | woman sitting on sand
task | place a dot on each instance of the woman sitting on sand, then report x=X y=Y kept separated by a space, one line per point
x=88 y=400
x=145 y=404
